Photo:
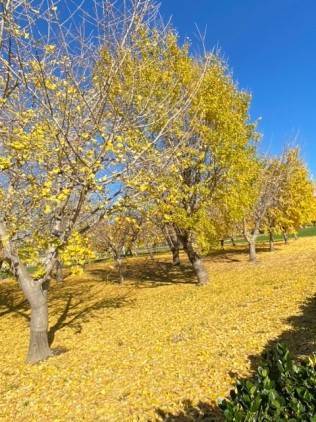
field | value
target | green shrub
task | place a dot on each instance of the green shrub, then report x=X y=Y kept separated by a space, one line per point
x=282 y=390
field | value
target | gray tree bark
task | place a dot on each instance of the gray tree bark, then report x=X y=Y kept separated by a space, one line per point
x=58 y=271
x=252 y=251
x=251 y=238
x=198 y=266
x=271 y=241
x=39 y=347
x=36 y=294
x=172 y=239
x=118 y=261
x=175 y=256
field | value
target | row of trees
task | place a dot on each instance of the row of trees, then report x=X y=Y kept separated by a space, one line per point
x=109 y=128
x=279 y=200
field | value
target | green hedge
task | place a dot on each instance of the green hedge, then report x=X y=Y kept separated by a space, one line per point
x=282 y=390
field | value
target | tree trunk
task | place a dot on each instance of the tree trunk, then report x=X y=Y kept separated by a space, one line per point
x=129 y=252
x=271 y=241
x=150 y=252
x=173 y=242
x=198 y=266
x=118 y=261
x=58 y=271
x=251 y=238
x=200 y=270
x=252 y=251
x=39 y=347
x=36 y=294
x=175 y=256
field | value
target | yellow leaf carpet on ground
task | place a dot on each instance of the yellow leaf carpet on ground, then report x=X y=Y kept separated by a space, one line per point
x=132 y=352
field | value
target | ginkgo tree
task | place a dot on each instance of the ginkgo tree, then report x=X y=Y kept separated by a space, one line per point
x=115 y=236
x=212 y=145
x=265 y=188
x=294 y=207
x=155 y=228
x=279 y=200
x=73 y=121
x=313 y=213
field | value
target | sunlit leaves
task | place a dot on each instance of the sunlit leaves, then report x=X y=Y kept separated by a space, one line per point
x=157 y=341
x=77 y=252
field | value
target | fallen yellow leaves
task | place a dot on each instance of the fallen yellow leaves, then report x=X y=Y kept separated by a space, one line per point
x=127 y=351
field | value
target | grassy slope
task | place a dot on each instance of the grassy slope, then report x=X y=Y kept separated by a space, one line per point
x=305 y=232
x=158 y=340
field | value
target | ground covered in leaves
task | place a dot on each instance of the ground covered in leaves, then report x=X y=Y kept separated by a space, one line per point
x=157 y=346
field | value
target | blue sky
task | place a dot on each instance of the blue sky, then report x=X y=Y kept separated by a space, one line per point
x=270 y=46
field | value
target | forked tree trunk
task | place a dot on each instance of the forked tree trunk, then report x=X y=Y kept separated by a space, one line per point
x=36 y=294
x=251 y=238
x=252 y=251
x=37 y=297
x=198 y=266
x=271 y=241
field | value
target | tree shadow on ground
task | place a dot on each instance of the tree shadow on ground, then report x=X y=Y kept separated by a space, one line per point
x=231 y=253
x=152 y=272
x=201 y=412
x=10 y=305
x=73 y=315
x=300 y=338
x=149 y=274
x=301 y=341
x=74 y=306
